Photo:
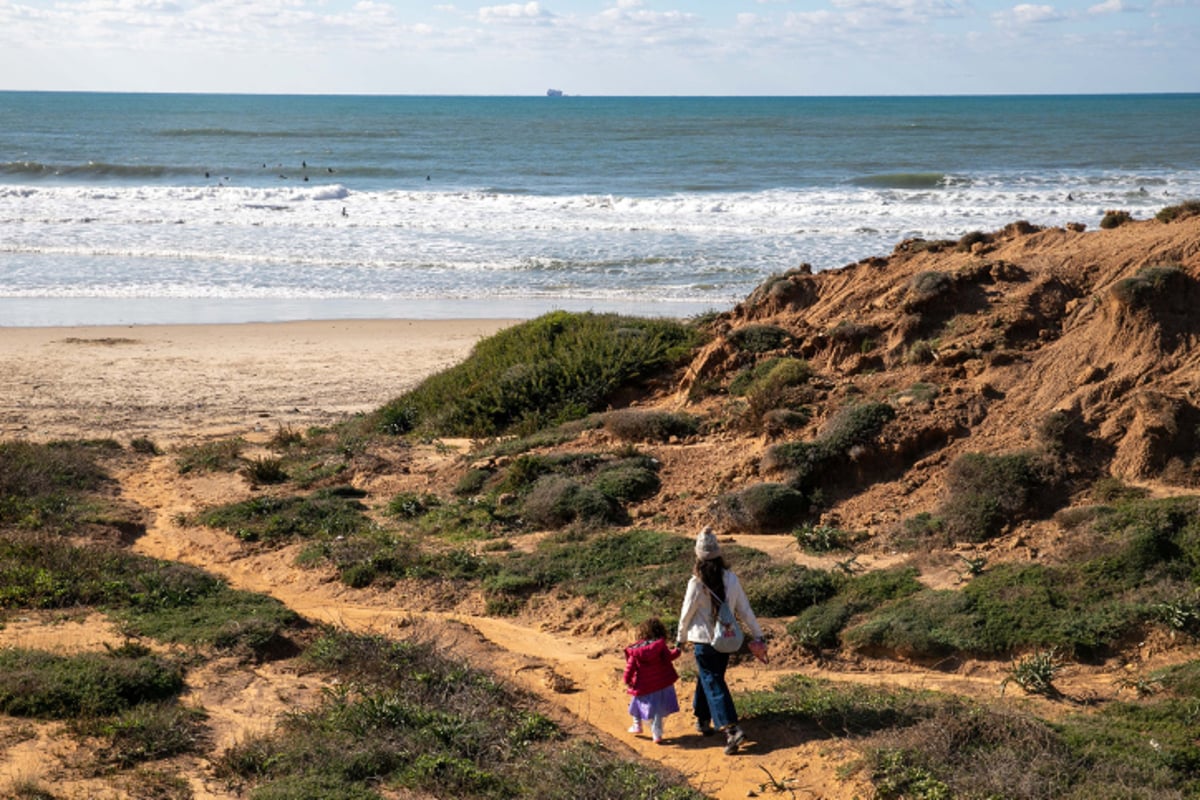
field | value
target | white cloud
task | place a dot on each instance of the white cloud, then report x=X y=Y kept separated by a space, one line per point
x=513 y=11
x=1029 y=14
x=1113 y=7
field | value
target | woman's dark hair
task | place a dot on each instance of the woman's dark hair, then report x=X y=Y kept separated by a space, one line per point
x=651 y=629
x=711 y=572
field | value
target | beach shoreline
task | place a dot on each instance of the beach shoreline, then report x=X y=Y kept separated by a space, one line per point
x=178 y=383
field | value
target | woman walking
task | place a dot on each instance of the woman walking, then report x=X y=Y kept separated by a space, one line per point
x=713 y=583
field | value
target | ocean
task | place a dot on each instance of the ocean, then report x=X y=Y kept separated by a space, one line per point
x=140 y=208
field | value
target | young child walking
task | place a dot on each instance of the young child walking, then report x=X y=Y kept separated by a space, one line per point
x=651 y=678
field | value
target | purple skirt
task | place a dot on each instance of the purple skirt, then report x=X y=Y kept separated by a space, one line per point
x=655 y=704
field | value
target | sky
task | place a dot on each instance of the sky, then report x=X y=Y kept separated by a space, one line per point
x=602 y=47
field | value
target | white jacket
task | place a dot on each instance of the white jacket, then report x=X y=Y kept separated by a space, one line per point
x=696 y=618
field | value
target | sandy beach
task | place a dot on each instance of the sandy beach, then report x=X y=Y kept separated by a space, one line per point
x=177 y=382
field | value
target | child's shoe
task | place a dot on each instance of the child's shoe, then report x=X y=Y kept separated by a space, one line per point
x=636 y=727
x=656 y=730
x=733 y=738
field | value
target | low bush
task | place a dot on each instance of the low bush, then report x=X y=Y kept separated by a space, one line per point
x=1181 y=211
x=1148 y=284
x=147 y=732
x=277 y=519
x=555 y=501
x=224 y=455
x=764 y=507
x=1115 y=219
x=821 y=625
x=644 y=425
x=810 y=462
x=758 y=338
x=555 y=368
x=987 y=493
x=44 y=485
x=34 y=683
x=926 y=288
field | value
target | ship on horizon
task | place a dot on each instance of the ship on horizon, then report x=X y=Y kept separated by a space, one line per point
x=554 y=93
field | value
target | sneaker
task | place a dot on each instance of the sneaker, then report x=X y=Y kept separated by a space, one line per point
x=635 y=727
x=656 y=731
x=733 y=738
x=704 y=726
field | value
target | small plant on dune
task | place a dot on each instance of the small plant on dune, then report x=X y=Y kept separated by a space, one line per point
x=264 y=471
x=410 y=505
x=764 y=507
x=1149 y=283
x=926 y=288
x=758 y=338
x=224 y=455
x=986 y=493
x=1115 y=219
x=1188 y=208
x=647 y=425
x=1035 y=673
x=809 y=462
x=823 y=538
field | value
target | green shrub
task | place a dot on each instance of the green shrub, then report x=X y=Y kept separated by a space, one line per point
x=821 y=625
x=809 y=462
x=43 y=485
x=626 y=482
x=1188 y=208
x=788 y=590
x=38 y=684
x=555 y=501
x=224 y=455
x=147 y=732
x=644 y=425
x=472 y=482
x=1115 y=219
x=410 y=505
x=555 y=368
x=927 y=287
x=758 y=338
x=1148 y=284
x=1035 y=673
x=265 y=471
x=765 y=507
x=986 y=493
x=326 y=512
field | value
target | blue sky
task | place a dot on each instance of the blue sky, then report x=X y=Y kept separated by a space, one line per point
x=602 y=47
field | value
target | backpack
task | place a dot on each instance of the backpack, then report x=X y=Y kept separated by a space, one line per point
x=727 y=633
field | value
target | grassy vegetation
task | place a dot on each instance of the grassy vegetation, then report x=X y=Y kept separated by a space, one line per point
x=274 y=519
x=1188 y=208
x=46 y=487
x=928 y=746
x=558 y=367
x=34 y=683
x=1149 y=284
x=1138 y=570
x=988 y=493
x=411 y=719
x=810 y=463
x=644 y=425
x=1115 y=218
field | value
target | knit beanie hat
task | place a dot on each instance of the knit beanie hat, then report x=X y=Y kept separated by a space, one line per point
x=706 y=544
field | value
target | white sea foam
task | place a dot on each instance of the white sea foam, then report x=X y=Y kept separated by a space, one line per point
x=318 y=242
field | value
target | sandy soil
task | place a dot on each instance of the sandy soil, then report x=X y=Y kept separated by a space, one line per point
x=175 y=382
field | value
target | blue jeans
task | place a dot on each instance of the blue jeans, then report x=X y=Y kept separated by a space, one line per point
x=712 y=700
